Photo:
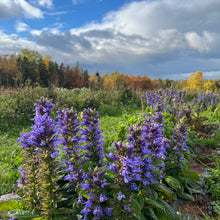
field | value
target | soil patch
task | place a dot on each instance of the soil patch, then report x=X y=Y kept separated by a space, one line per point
x=202 y=204
x=206 y=130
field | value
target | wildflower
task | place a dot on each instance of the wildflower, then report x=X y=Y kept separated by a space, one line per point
x=69 y=129
x=120 y=196
x=98 y=211
x=102 y=197
x=108 y=211
x=178 y=145
x=92 y=137
x=40 y=147
x=94 y=186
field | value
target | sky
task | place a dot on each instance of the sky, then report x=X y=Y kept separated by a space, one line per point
x=159 y=38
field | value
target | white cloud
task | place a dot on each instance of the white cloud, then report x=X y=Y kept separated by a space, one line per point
x=29 y=10
x=36 y=32
x=20 y=26
x=211 y=74
x=54 y=29
x=202 y=43
x=46 y=3
x=16 y=44
x=56 y=13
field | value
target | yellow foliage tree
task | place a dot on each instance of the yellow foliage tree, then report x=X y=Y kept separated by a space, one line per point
x=209 y=85
x=47 y=59
x=195 y=81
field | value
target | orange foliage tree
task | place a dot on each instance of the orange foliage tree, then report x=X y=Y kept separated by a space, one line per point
x=116 y=81
x=10 y=75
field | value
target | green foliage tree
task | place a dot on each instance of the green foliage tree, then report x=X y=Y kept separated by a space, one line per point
x=28 y=61
x=43 y=72
x=31 y=55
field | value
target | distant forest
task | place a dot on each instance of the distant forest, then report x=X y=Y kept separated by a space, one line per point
x=30 y=68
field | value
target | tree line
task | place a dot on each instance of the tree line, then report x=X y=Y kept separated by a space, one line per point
x=29 y=67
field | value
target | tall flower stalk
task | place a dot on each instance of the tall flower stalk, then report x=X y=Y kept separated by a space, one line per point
x=178 y=145
x=29 y=172
x=137 y=164
x=69 y=130
x=43 y=140
x=92 y=138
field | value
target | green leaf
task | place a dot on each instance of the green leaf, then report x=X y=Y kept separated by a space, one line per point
x=194 y=185
x=167 y=192
x=154 y=204
x=137 y=208
x=192 y=176
x=10 y=205
x=173 y=183
x=22 y=214
x=142 y=217
x=63 y=211
x=141 y=202
x=186 y=196
x=84 y=193
x=37 y=219
x=153 y=194
x=192 y=190
x=168 y=212
x=157 y=162
x=151 y=213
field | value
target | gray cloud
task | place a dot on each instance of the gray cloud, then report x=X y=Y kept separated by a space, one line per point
x=9 y=9
x=17 y=8
x=65 y=42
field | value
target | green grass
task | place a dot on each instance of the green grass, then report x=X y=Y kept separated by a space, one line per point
x=110 y=125
x=10 y=160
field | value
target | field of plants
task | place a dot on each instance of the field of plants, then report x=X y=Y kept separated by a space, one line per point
x=109 y=154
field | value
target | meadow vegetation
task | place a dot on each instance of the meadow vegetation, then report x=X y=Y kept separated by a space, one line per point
x=138 y=156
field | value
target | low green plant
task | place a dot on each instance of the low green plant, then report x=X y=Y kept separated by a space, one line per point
x=213 y=179
x=10 y=160
x=216 y=207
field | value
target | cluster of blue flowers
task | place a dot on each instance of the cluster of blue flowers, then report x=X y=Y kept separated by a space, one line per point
x=207 y=99
x=165 y=99
x=82 y=144
x=94 y=186
x=69 y=131
x=133 y=163
x=179 y=142
x=43 y=136
x=92 y=137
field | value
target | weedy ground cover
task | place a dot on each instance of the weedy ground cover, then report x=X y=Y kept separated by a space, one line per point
x=10 y=161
